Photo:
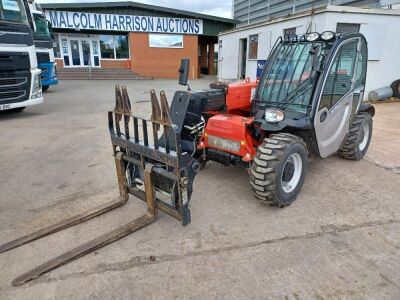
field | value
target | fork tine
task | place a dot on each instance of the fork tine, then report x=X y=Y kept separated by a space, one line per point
x=126 y=103
x=166 y=119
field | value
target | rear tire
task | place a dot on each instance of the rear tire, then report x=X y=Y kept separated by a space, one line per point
x=278 y=170
x=45 y=88
x=396 y=88
x=356 y=143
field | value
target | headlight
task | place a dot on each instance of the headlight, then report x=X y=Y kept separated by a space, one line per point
x=36 y=87
x=313 y=36
x=224 y=143
x=327 y=35
x=274 y=115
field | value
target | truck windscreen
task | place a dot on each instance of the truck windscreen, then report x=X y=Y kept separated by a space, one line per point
x=42 y=28
x=13 y=11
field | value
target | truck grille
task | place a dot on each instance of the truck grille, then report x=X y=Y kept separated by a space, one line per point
x=14 y=86
x=13 y=95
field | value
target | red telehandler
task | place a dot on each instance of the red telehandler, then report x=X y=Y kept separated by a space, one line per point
x=306 y=105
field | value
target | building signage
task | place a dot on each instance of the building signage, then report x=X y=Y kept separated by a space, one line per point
x=94 y=21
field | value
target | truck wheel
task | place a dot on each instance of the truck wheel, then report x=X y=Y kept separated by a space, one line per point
x=278 y=170
x=356 y=143
x=45 y=88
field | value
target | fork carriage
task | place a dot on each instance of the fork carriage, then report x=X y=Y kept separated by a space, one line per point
x=152 y=168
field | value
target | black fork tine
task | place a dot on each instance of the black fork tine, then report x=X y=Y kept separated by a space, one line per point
x=136 y=129
x=145 y=136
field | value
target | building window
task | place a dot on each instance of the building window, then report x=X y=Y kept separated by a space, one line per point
x=289 y=32
x=56 y=46
x=253 y=46
x=165 y=40
x=121 y=46
x=107 y=46
x=114 y=46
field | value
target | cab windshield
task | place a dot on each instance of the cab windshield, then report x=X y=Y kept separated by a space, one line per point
x=42 y=28
x=288 y=81
x=13 y=11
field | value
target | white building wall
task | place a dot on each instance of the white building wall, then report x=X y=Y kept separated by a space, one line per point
x=381 y=32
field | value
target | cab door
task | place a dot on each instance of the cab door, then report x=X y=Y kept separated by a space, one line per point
x=336 y=101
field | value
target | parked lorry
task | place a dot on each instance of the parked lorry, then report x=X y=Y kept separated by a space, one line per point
x=306 y=105
x=20 y=84
x=44 y=39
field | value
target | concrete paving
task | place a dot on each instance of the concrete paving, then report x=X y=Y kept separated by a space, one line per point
x=339 y=239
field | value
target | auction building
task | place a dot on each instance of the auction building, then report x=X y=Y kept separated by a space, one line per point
x=148 y=40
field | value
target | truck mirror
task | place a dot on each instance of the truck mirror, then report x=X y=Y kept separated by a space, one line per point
x=184 y=71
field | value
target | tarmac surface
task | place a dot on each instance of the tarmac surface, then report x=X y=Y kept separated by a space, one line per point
x=339 y=239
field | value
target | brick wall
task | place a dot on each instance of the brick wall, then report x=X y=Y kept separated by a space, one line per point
x=105 y=64
x=162 y=62
x=115 y=64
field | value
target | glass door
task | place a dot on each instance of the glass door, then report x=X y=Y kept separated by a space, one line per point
x=65 y=52
x=96 y=54
x=86 y=53
x=75 y=52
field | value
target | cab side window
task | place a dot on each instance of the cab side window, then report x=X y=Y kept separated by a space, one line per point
x=338 y=81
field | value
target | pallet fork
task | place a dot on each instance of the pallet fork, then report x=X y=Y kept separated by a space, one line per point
x=153 y=170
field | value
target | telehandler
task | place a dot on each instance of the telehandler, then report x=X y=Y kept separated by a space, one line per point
x=306 y=105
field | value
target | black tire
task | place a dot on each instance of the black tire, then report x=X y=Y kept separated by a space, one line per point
x=270 y=162
x=45 y=88
x=353 y=146
x=18 y=109
x=396 y=88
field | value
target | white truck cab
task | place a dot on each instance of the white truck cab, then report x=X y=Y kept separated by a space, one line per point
x=20 y=84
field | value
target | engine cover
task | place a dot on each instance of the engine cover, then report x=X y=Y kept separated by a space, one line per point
x=230 y=133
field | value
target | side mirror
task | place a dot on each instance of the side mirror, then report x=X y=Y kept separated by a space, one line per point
x=184 y=71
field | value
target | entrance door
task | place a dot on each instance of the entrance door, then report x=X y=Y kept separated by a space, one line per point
x=86 y=53
x=75 y=52
x=82 y=52
x=335 y=104
x=96 y=54
x=242 y=58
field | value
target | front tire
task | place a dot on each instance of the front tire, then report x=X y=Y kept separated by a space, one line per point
x=356 y=143
x=278 y=170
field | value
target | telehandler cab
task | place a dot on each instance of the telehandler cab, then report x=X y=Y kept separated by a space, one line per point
x=306 y=105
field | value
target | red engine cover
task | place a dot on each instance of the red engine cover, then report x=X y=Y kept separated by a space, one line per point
x=234 y=128
x=239 y=95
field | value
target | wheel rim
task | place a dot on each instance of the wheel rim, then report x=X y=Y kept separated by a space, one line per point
x=364 y=141
x=292 y=172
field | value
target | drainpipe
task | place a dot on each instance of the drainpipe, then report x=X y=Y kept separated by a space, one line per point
x=248 y=13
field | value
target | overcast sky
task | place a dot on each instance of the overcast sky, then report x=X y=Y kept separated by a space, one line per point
x=220 y=8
